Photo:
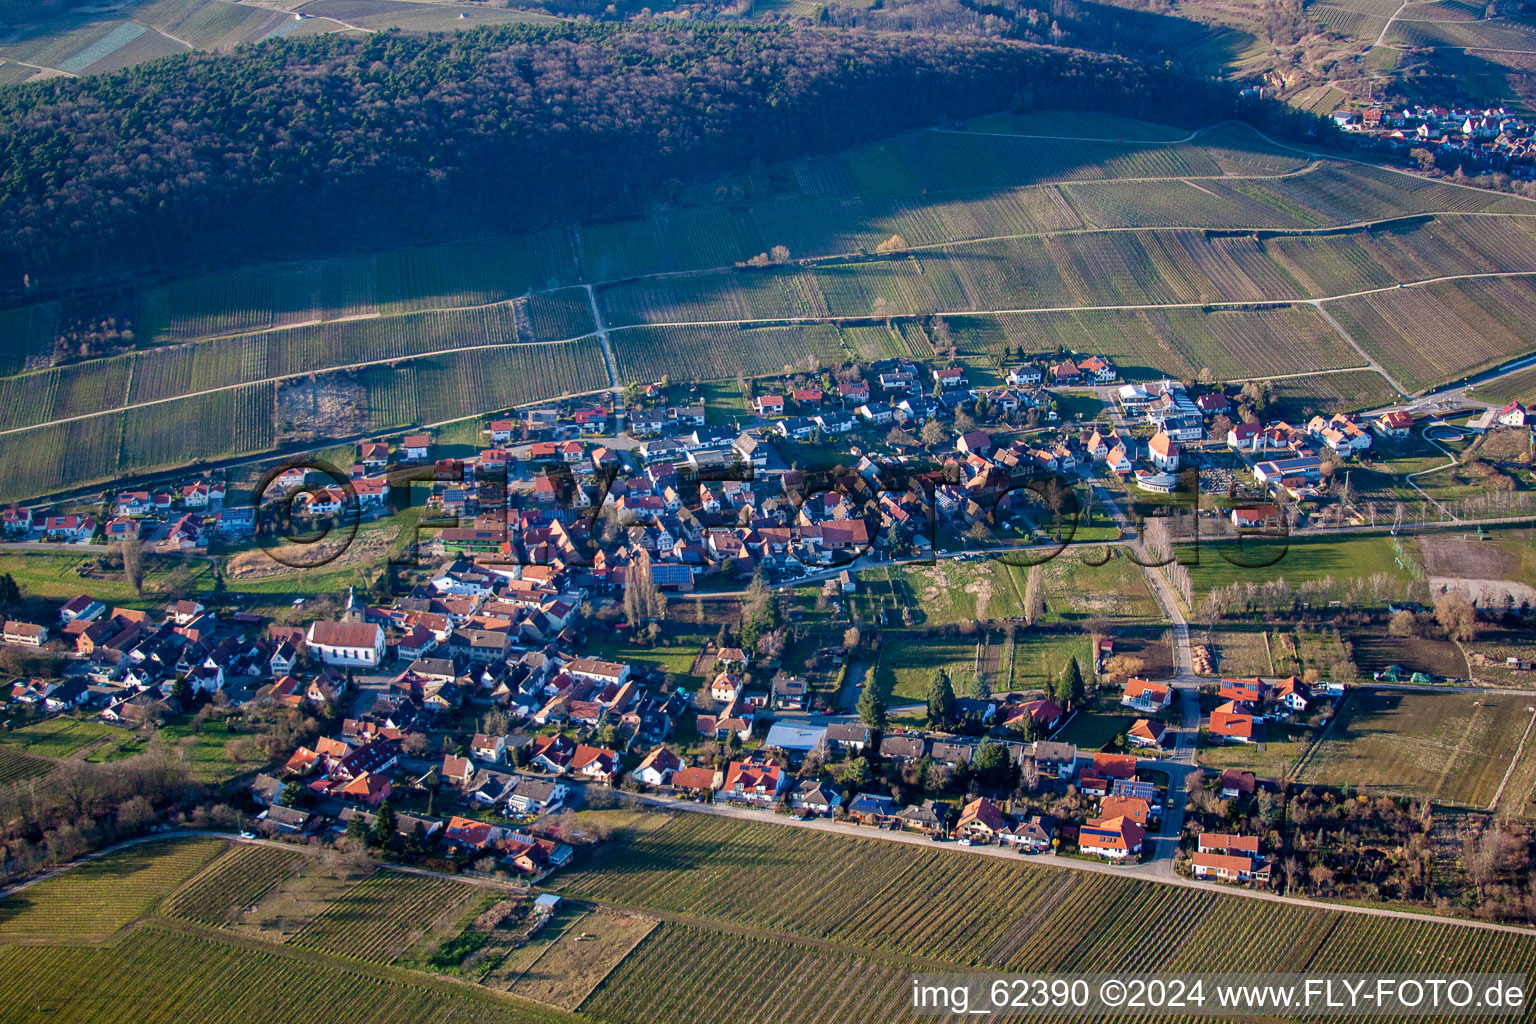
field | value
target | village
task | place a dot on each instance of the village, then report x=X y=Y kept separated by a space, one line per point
x=1470 y=139
x=467 y=706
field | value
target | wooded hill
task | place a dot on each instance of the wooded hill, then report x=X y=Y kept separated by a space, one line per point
x=315 y=145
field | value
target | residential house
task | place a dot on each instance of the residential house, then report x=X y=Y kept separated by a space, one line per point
x=872 y=808
x=847 y=736
x=288 y=820
x=1228 y=858
x=695 y=781
x=1032 y=835
x=1115 y=839
x=1144 y=695
x=1229 y=723
x=1055 y=760
x=595 y=764
x=981 y=822
x=1136 y=808
x=658 y=767
x=1394 y=424
x=815 y=797
x=1237 y=784
x=488 y=748
x=930 y=817
x=24 y=634
x=416 y=447
x=754 y=781
x=537 y=796
x=1258 y=517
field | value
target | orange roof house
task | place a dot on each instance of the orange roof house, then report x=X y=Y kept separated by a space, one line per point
x=1112 y=838
x=1228 y=722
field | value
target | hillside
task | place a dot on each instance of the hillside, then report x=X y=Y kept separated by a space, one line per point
x=302 y=146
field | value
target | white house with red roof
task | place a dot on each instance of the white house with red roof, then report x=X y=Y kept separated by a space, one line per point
x=1164 y=452
x=1393 y=424
x=1228 y=858
x=1512 y=415
x=754 y=781
x=598 y=764
x=1144 y=695
x=1117 y=838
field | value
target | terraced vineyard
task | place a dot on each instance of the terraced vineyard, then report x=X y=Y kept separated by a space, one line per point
x=239 y=878
x=846 y=987
x=1233 y=343
x=1330 y=393
x=15 y=766
x=391 y=282
x=188 y=978
x=1435 y=333
x=240 y=421
x=1135 y=268
x=722 y=351
x=986 y=220
x=877 y=902
x=1517 y=387
x=97 y=898
x=379 y=917
x=171 y=371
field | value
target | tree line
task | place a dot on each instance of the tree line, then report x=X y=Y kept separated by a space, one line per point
x=305 y=147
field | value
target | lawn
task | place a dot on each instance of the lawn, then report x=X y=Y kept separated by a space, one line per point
x=1275 y=758
x=59 y=737
x=203 y=747
x=950 y=592
x=60 y=576
x=1451 y=747
x=1300 y=559
x=1094 y=728
x=1075 y=589
x=909 y=661
x=675 y=653
x=1039 y=658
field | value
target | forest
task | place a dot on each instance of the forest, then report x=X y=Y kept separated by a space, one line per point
x=311 y=146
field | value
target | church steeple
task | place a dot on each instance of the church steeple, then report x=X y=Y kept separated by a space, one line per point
x=354 y=612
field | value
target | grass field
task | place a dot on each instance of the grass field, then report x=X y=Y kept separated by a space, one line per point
x=907 y=665
x=585 y=949
x=58 y=577
x=58 y=737
x=101 y=896
x=1093 y=730
x=1303 y=559
x=1275 y=758
x=205 y=749
x=1453 y=747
